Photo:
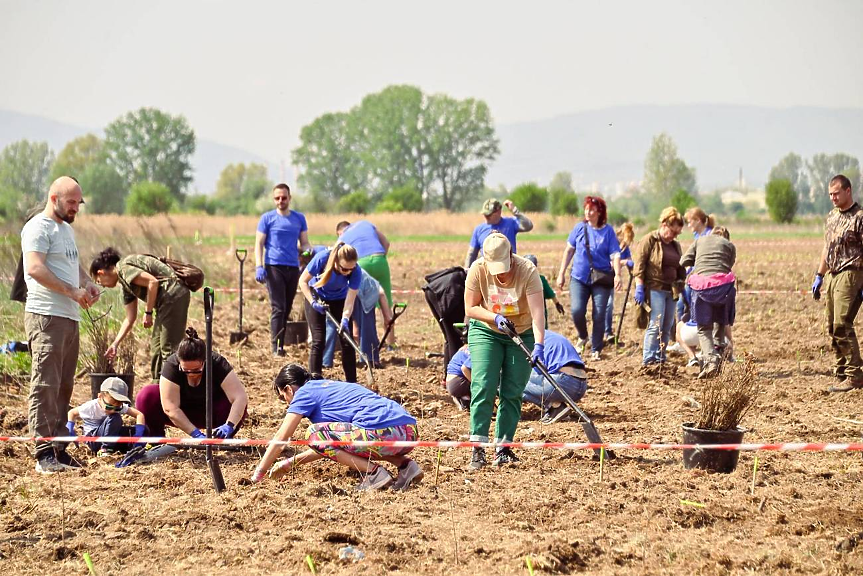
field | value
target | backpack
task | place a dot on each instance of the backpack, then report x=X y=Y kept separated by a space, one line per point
x=189 y=275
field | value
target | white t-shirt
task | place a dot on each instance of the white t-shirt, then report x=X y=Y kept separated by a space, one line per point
x=93 y=415
x=57 y=241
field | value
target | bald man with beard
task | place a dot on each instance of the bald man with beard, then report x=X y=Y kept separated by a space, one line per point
x=57 y=288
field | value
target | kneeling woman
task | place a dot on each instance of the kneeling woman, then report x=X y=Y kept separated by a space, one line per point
x=345 y=412
x=180 y=397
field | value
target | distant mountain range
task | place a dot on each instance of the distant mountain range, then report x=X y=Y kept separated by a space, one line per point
x=603 y=149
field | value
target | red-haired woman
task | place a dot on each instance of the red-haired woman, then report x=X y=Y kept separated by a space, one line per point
x=595 y=271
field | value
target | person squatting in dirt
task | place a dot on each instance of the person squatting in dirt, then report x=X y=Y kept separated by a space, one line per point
x=330 y=283
x=841 y=265
x=280 y=235
x=180 y=398
x=103 y=416
x=342 y=411
x=57 y=288
x=713 y=294
x=502 y=292
x=166 y=301
x=458 y=378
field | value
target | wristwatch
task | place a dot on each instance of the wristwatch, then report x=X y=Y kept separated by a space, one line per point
x=148 y=313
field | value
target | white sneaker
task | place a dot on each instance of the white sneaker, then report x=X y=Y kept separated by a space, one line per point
x=676 y=348
x=581 y=345
x=595 y=355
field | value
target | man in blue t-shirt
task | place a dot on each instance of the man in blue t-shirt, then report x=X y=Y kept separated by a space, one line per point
x=507 y=226
x=567 y=369
x=277 y=261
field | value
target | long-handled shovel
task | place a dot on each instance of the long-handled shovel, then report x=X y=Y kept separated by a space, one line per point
x=239 y=335
x=212 y=463
x=623 y=310
x=349 y=339
x=398 y=309
x=589 y=429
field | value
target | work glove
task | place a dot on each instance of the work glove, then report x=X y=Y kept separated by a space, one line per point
x=140 y=430
x=70 y=426
x=343 y=327
x=226 y=430
x=559 y=307
x=258 y=475
x=630 y=264
x=538 y=356
x=503 y=324
x=132 y=456
x=319 y=307
x=260 y=274
x=197 y=434
x=816 y=286
x=639 y=294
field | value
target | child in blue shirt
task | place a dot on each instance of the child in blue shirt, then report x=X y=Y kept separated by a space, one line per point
x=458 y=378
x=342 y=411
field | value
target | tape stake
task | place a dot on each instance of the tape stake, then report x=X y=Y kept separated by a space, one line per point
x=311 y=564
x=529 y=565
x=89 y=562
x=691 y=503
x=601 y=462
x=754 y=473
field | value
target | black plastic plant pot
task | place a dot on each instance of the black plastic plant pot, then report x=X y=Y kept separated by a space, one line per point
x=97 y=379
x=296 y=332
x=724 y=461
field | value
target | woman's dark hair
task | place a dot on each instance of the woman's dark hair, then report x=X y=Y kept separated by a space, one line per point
x=599 y=205
x=106 y=259
x=292 y=375
x=191 y=347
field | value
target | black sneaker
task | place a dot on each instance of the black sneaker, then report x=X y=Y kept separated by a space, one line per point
x=46 y=463
x=554 y=414
x=504 y=456
x=67 y=461
x=477 y=458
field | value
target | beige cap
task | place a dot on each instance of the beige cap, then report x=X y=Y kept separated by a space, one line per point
x=116 y=388
x=491 y=206
x=497 y=252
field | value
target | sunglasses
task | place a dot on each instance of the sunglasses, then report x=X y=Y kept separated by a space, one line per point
x=192 y=370
x=344 y=271
x=112 y=407
x=280 y=198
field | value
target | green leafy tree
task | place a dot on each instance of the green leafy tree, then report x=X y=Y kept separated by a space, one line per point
x=563 y=202
x=561 y=181
x=77 y=155
x=781 y=200
x=149 y=199
x=240 y=187
x=530 y=197
x=822 y=168
x=200 y=203
x=104 y=189
x=354 y=203
x=665 y=172
x=792 y=168
x=150 y=145
x=683 y=200
x=24 y=176
x=404 y=199
x=616 y=218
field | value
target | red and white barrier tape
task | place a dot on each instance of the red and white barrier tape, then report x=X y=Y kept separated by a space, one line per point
x=399 y=291
x=770 y=447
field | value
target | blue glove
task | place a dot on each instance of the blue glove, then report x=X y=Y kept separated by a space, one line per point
x=538 y=356
x=140 y=430
x=226 y=430
x=70 y=426
x=197 y=434
x=816 y=286
x=260 y=274
x=343 y=327
x=503 y=324
x=639 y=294
x=319 y=307
x=630 y=264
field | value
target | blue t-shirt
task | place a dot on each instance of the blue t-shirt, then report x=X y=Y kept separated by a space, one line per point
x=334 y=401
x=507 y=226
x=626 y=254
x=363 y=236
x=283 y=233
x=559 y=352
x=706 y=232
x=337 y=286
x=459 y=359
x=603 y=244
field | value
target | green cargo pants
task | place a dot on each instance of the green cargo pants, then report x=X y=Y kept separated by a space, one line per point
x=496 y=362
x=169 y=327
x=842 y=299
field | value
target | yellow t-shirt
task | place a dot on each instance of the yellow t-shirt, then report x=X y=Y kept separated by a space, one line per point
x=509 y=299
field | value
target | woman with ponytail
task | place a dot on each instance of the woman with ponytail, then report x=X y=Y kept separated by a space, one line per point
x=166 y=299
x=331 y=281
x=180 y=398
x=344 y=412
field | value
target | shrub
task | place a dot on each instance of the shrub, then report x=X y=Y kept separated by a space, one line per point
x=530 y=197
x=682 y=200
x=616 y=218
x=149 y=199
x=781 y=200
x=564 y=203
x=404 y=199
x=354 y=203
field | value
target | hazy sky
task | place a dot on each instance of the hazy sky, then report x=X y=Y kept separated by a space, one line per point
x=252 y=73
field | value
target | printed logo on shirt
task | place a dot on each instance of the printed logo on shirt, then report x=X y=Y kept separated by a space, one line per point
x=71 y=250
x=503 y=300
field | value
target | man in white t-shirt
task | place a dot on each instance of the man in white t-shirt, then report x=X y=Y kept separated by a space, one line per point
x=57 y=287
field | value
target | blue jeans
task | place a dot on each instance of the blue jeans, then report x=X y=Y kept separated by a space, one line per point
x=543 y=394
x=369 y=342
x=609 y=315
x=330 y=345
x=112 y=425
x=579 y=293
x=662 y=310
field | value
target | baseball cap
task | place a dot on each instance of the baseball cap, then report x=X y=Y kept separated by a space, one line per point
x=116 y=388
x=531 y=258
x=496 y=251
x=491 y=206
